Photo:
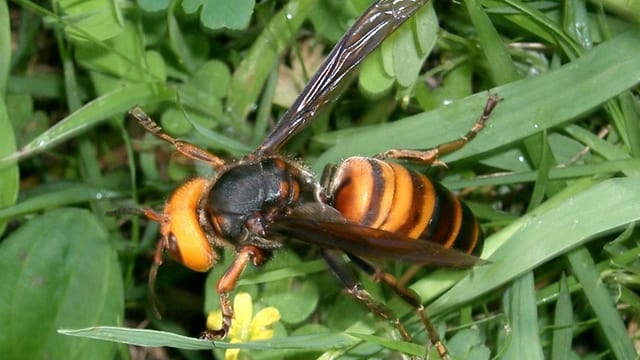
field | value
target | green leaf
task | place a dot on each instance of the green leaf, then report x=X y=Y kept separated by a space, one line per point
x=91 y=20
x=217 y=14
x=468 y=344
x=124 y=58
x=10 y=175
x=294 y=301
x=188 y=54
x=373 y=79
x=153 y=5
x=173 y=122
x=400 y=57
x=216 y=139
x=284 y=271
x=576 y=23
x=57 y=271
x=205 y=89
x=331 y=17
x=630 y=113
x=20 y=111
x=295 y=298
x=456 y=84
x=212 y=78
x=411 y=48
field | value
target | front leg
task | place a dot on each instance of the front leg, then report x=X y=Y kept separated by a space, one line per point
x=227 y=283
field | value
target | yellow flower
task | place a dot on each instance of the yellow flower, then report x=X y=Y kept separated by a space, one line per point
x=243 y=327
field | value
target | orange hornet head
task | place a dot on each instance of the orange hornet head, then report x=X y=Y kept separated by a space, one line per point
x=182 y=234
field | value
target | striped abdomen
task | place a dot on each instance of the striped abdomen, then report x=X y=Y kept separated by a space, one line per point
x=390 y=197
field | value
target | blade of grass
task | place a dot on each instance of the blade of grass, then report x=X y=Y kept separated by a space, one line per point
x=573 y=172
x=613 y=328
x=144 y=337
x=501 y=67
x=551 y=292
x=629 y=9
x=571 y=48
x=522 y=312
x=9 y=176
x=5 y=47
x=631 y=118
x=576 y=22
x=539 y=236
x=401 y=346
x=562 y=331
x=69 y=194
x=91 y=114
x=600 y=146
x=540 y=188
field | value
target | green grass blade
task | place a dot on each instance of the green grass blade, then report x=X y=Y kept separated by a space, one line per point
x=117 y=102
x=10 y=175
x=144 y=337
x=631 y=117
x=521 y=310
x=501 y=67
x=5 y=47
x=65 y=195
x=539 y=236
x=562 y=332
x=613 y=328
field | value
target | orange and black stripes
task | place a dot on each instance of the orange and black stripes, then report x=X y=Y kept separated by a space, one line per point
x=390 y=197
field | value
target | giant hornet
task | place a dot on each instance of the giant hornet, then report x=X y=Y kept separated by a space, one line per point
x=365 y=207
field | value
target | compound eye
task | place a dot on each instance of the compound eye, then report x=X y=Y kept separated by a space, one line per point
x=173 y=250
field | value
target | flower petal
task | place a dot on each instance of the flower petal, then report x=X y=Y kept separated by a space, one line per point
x=231 y=354
x=243 y=311
x=261 y=322
x=214 y=320
x=267 y=316
x=243 y=308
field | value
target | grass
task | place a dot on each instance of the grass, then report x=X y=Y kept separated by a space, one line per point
x=554 y=178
